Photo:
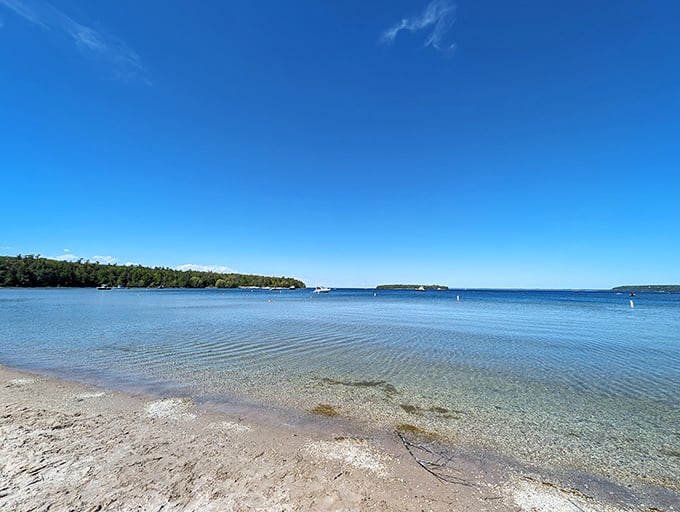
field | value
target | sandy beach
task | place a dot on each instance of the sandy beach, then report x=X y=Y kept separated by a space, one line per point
x=67 y=446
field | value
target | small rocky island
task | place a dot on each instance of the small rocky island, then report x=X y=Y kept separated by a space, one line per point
x=656 y=288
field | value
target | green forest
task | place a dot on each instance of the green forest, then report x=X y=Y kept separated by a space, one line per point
x=34 y=271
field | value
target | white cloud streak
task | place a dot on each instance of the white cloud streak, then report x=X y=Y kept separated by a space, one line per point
x=125 y=63
x=69 y=256
x=107 y=260
x=64 y=257
x=206 y=268
x=111 y=260
x=25 y=10
x=435 y=22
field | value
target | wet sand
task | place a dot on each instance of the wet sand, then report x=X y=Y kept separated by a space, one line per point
x=68 y=446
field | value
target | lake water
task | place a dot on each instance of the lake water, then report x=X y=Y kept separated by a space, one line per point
x=571 y=381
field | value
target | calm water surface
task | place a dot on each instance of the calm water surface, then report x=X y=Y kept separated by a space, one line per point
x=569 y=380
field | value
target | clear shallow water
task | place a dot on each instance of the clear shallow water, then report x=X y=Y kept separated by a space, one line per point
x=567 y=380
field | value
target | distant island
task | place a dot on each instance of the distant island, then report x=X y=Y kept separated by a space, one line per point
x=659 y=288
x=420 y=287
x=30 y=271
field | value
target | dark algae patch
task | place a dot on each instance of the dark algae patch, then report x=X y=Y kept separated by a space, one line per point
x=441 y=411
x=411 y=409
x=388 y=388
x=326 y=410
x=407 y=428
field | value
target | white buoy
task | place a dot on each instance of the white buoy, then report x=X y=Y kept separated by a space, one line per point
x=632 y=304
x=457 y=297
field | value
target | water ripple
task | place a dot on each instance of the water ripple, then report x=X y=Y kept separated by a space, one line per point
x=581 y=372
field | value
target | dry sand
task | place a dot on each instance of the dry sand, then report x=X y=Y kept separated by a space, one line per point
x=67 y=446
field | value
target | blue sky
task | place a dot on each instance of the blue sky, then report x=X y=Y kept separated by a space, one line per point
x=479 y=143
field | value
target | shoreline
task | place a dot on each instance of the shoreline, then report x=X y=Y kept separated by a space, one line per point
x=74 y=445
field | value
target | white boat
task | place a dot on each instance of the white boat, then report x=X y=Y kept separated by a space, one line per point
x=104 y=287
x=321 y=289
x=420 y=289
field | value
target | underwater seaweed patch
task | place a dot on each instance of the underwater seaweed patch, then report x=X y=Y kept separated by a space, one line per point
x=386 y=387
x=326 y=410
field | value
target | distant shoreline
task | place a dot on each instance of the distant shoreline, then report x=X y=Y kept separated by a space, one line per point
x=618 y=289
x=655 y=288
x=420 y=287
x=33 y=271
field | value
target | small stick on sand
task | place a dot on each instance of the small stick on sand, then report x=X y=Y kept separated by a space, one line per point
x=427 y=465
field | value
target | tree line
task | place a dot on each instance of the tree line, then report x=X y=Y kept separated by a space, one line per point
x=34 y=271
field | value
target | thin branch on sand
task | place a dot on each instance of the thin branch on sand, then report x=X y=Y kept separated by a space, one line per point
x=434 y=467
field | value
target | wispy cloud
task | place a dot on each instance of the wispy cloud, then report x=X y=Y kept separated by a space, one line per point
x=124 y=62
x=108 y=260
x=69 y=256
x=24 y=9
x=64 y=257
x=206 y=268
x=435 y=22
